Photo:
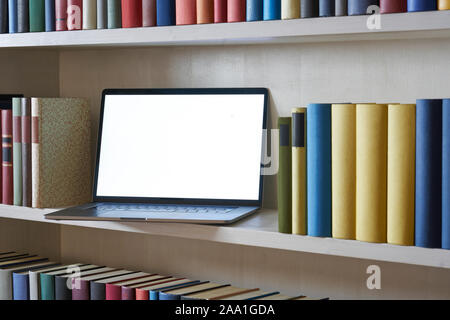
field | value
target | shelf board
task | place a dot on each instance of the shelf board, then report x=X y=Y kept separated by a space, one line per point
x=414 y=25
x=258 y=230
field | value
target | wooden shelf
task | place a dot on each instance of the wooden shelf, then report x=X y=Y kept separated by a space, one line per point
x=259 y=230
x=432 y=24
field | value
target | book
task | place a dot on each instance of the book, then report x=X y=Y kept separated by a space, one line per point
x=272 y=9
x=129 y=289
x=285 y=175
x=236 y=10
x=186 y=12
x=428 y=218
x=254 y=10
x=148 y=13
x=253 y=295
x=61 y=15
x=23 y=16
x=421 y=5
x=50 y=15
x=318 y=140
x=290 y=9
x=205 y=11
x=165 y=12
x=360 y=7
x=114 y=290
x=74 y=14
x=176 y=294
x=131 y=13
x=89 y=15
x=154 y=291
x=102 y=14
x=115 y=14
x=299 y=171
x=61 y=160
x=371 y=172
x=34 y=280
x=340 y=7
x=446 y=174
x=26 y=151
x=218 y=294
x=309 y=8
x=37 y=15
x=7 y=164
x=142 y=291
x=443 y=4
x=401 y=169
x=220 y=11
x=17 y=151
x=11 y=255
x=3 y=16
x=393 y=6
x=12 y=16
x=98 y=287
x=343 y=169
x=275 y=297
x=21 y=280
x=326 y=8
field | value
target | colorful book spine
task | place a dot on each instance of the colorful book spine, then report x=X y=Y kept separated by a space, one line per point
x=422 y=5
x=74 y=14
x=254 y=10
x=89 y=15
x=186 y=12
x=26 y=152
x=12 y=16
x=446 y=174
x=393 y=6
x=220 y=11
x=114 y=14
x=7 y=169
x=148 y=13
x=131 y=13
x=272 y=9
x=37 y=15
x=61 y=15
x=205 y=11
x=50 y=15
x=444 y=4
x=428 y=173
x=319 y=170
x=102 y=14
x=17 y=150
x=285 y=176
x=23 y=16
x=299 y=171
x=290 y=9
x=343 y=168
x=165 y=12
x=360 y=7
x=371 y=172
x=309 y=8
x=21 y=290
x=326 y=8
x=341 y=8
x=3 y=16
x=236 y=10
x=47 y=286
x=401 y=174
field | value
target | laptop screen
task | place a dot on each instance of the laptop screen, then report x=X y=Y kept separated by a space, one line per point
x=181 y=145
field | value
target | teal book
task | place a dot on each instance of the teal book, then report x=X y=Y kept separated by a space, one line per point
x=114 y=14
x=17 y=150
x=37 y=15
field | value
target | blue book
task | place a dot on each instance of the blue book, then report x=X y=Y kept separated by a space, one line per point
x=422 y=5
x=428 y=173
x=359 y=7
x=254 y=10
x=165 y=12
x=155 y=294
x=49 y=15
x=318 y=164
x=272 y=10
x=12 y=16
x=446 y=174
x=326 y=8
x=21 y=290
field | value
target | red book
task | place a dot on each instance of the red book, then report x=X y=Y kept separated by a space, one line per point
x=7 y=165
x=220 y=11
x=61 y=15
x=142 y=294
x=131 y=13
x=186 y=12
x=236 y=10
x=148 y=13
x=74 y=14
x=393 y=6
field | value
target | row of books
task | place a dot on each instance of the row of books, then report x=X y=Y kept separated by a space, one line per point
x=370 y=172
x=45 y=151
x=17 y=16
x=31 y=277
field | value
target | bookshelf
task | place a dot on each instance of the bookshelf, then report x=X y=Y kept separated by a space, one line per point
x=300 y=61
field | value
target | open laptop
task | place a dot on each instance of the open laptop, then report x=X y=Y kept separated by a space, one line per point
x=177 y=155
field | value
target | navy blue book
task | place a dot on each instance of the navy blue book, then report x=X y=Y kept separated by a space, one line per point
x=49 y=15
x=428 y=173
x=318 y=164
x=422 y=5
x=359 y=7
x=155 y=294
x=254 y=10
x=12 y=16
x=165 y=12
x=326 y=8
x=446 y=174
x=3 y=16
x=272 y=10
x=309 y=8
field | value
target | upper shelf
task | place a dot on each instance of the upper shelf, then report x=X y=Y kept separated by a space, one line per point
x=415 y=25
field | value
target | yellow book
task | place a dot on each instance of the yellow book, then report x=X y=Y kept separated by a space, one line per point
x=343 y=170
x=444 y=4
x=401 y=174
x=371 y=172
x=299 y=171
x=290 y=9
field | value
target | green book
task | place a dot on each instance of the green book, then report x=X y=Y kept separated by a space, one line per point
x=17 y=150
x=37 y=15
x=114 y=14
x=285 y=176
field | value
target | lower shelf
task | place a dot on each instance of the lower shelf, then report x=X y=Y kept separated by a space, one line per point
x=258 y=230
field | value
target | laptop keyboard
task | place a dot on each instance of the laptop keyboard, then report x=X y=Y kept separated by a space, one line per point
x=163 y=208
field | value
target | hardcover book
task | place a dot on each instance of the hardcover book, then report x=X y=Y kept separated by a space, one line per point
x=220 y=11
x=7 y=165
x=3 y=16
x=272 y=9
x=89 y=15
x=61 y=15
x=50 y=15
x=17 y=150
x=205 y=11
x=165 y=12
x=236 y=10
x=422 y=5
x=142 y=290
x=26 y=152
x=102 y=14
x=12 y=16
x=74 y=14
x=186 y=12
x=285 y=175
x=444 y=4
x=35 y=281
x=37 y=15
x=131 y=13
x=326 y=8
x=360 y=7
x=129 y=289
x=114 y=290
x=176 y=294
x=253 y=295
x=23 y=16
x=393 y=6
x=341 y=8
x=290 y=9
x=254 y=10
x=148 y=13
x=309 y=8
x=446 y=174
x=180 y=283
x=115 y=14
x=218 y=294
x=98 y=287
x=21 y=280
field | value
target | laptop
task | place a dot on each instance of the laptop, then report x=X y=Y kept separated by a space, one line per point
x=177 y=155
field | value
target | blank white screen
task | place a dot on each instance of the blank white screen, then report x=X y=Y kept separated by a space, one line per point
x=181 y=146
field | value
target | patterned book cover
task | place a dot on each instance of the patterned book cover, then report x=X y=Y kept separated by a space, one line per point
x=61 y=15
x=61 y=159
x=7 y=164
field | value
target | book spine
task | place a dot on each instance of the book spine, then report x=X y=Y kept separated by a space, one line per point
x=360 y=7
x=128 y=293
x=254 y=10
x=393 y=6
x=186 y=12
x=12 y=16
x=34 y=285
x=50 y=15
x=113 y=292
x=299 y=171
x=444 y=4
x=422 y=5
x=285 y=176
x=102 y=14
x=290 y=9
x=97 y=291
x=114 y=14
x=62 y=291
x=26 y=152
x=89 y=15
x=3 y=16
x=236 y=10
x=22 y=16
x=446 y=174
x=371 y=172
x=220 y=11
x=74 y=14
x=343 y=168
x=148 y=13
x=272 y=9
x=142 y=294
x=326 y=8
x=205 y=11
x=309 y=8
x=401 y=174
x=17 y=150
x=168 y=296
x=47 y=285
x=20 y=287
x=7 y=169
x=37 y=15
x=340 y=8
x=428 y=173
x=153 y=295
x=81 y=292
x=131 y=13
x=35 y=153
x=319 y=170
x=165 y=12
x=6 y=287
x=61 y=15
